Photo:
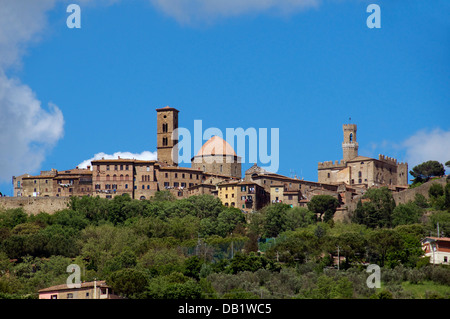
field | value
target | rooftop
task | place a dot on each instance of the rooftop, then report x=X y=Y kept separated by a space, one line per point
x=216 y=146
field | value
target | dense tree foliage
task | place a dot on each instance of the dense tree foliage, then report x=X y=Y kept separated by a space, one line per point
x=426 y=170
x=197 y=248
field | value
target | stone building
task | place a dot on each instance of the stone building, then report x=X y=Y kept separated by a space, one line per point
x=217 y=156
x=38 y=185
x=166 y=135
x=246 y=196
x=73 y=182
x=362 y=171
x=18 y=185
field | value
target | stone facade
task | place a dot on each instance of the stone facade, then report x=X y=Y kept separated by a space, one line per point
x=360 y=170
x=217 y=157
x=166 y=134
x=246 y=196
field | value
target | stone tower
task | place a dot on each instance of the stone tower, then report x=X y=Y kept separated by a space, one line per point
x=167 y=139
x=350 y=145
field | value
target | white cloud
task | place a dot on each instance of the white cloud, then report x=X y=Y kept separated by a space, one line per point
x=27 y=130
x=426 y=145
x=146 y=156
x=207 y=10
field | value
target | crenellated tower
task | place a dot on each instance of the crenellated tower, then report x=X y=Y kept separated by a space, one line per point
x=349 y=145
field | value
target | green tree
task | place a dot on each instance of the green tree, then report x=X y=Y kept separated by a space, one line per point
x=129 y=282
x=423 y=172
x=383 y=244
x=228 y=220
x=274 y=219
x=377 y=210
x=404 y=214
x=10 y=218
x=323 y=205
x=297 y=217
x=173 y=286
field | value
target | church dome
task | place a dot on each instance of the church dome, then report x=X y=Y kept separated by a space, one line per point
x=216 y=146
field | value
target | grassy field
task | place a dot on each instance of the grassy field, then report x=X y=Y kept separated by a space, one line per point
x=421 y=291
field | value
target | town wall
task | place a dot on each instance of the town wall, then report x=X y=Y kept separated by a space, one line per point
x=35 y=205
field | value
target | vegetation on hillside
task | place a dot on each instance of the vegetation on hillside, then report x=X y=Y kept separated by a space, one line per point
x=197 y=248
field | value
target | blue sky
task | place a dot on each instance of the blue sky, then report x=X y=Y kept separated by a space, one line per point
x=303 y=66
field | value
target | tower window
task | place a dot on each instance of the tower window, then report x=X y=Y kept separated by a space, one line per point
x=351 y=137
x=165 y=127
x=165 y=141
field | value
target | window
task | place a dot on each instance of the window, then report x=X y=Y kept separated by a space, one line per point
x=182 y=175
x=351 y=137
x=290 y=197
x=183 y=184
x=121 y=177
x=165 y=127
x=115 y=167
x=190 y=176
x=107 y=177
x=445 y=259
x=359 y=174
x=114 y=177
x=165 y=141
x=54 y=297
x=166 y=184
x=148 y=186
x=328 y=175
x=87 y=295
x=143 y=186
x=126 y=186
x=148 y=168
x=176 y=175
x=276 y=189
x=70 y=296
x=176 y=184
x=167 y=175
x=97 y=186
x=126 y=167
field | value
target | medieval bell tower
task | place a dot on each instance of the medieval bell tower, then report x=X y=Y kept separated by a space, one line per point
x=167 y=139
x=350 y=145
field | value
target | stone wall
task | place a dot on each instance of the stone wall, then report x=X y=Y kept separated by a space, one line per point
x=35 y=205
x=407 y=195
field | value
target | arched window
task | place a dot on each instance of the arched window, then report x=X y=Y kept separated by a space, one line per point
x=107 y=177
x=351 y=137
x=359 y=174
x=114 y=177
x=127 y=177
x=121 y=177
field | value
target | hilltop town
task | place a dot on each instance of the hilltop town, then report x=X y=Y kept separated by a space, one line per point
x=215 y=170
